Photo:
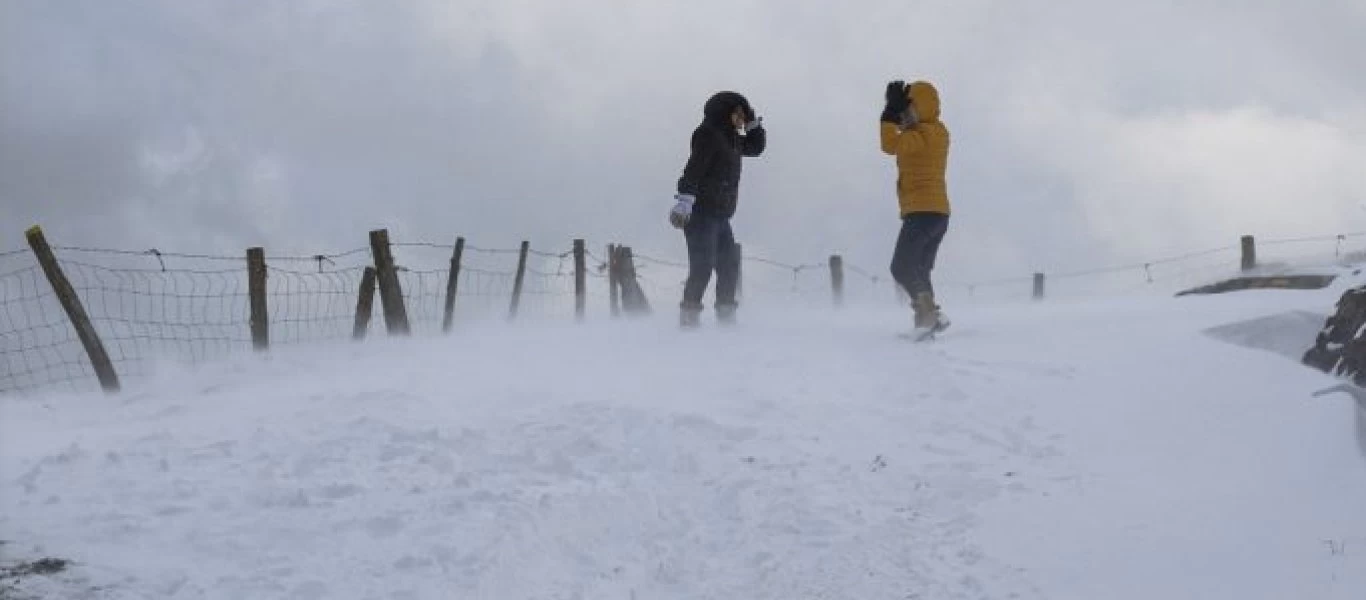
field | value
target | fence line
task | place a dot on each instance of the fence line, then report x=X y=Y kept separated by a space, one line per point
x=331 y=258
x=1317 y=238
x=196 y=307
x=191 y=307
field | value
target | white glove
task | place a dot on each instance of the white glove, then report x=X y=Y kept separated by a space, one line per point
x=682 y=211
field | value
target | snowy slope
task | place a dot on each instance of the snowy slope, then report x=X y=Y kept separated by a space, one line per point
x=1097 y=449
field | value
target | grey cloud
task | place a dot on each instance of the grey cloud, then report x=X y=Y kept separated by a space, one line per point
x=301 y=125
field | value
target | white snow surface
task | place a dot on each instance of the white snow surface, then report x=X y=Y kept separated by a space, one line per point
x=1092 y=449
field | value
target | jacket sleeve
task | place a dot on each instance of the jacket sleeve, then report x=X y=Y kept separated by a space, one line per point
x=699 y=160
x=896 y=142
x=754 y=142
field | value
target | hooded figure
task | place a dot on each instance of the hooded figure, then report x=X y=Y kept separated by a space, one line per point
x=911 y=130
x=708 y=194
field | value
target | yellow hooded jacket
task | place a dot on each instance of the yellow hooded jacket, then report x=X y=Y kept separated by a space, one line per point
x=922 y=154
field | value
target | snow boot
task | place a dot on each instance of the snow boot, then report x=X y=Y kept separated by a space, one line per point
x=941 y=320
x=929 y=319
x=690 y=317
x=725 y=314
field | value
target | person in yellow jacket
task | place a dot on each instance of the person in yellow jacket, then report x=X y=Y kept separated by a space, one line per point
x=911 y=130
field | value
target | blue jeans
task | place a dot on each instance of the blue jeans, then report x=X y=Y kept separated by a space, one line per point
x=711 y=247
x=916 y=248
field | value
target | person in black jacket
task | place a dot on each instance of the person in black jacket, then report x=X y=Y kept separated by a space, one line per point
x=708 y=192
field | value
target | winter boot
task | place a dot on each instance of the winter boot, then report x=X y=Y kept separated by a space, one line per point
x=924 y=312
x=941 y=320
x=725 y=314
x=690 y=317
x=929 y=320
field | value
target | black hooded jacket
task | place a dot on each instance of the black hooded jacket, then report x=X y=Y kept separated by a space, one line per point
x=712 y=174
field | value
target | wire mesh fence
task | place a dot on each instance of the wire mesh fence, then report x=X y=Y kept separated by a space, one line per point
x=37 y=344
x=149 y=306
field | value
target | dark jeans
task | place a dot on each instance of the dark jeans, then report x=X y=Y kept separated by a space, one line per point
x=711 y=247
x=916 y=248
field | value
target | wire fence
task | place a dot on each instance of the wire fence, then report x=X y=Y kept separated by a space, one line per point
x=768 y=281
x=1177 y=272
x=149 y=306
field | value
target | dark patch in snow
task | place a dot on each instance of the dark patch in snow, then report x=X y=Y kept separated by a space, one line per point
x=879 y=463
x=12 y=575
x=1287 y=334
x=42 y=566
x=1280 y=282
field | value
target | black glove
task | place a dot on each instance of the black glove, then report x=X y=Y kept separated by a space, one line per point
x=897 y=101
x=752 y=122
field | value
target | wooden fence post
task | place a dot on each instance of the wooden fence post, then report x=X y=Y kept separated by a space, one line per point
x=580 y=279
x=1038 y=286
x=365 y=304
x=517 y=283
x=633 y=299
x=256 y=292
x=837 y=279
x=452 y=285
x=75 y=311
x=390 y=292
x=1249 y=253
x=613 y=281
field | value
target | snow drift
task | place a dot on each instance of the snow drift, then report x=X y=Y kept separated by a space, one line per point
x=1056 y=450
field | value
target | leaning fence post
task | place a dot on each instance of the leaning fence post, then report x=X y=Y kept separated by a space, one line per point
x=390 y=292
x=580 y=279
x=71 y=303
x=613 y=281
x=452 y=285
x=1249 y=253
x=365 y=304
x=837 y=279
x=1038 y=286
x=517 y=283
x=633 y=298
x=256 y=292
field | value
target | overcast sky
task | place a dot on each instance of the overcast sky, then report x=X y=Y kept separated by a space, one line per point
x=1084 y=132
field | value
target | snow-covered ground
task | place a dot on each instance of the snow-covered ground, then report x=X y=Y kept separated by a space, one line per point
x=1088 y=449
